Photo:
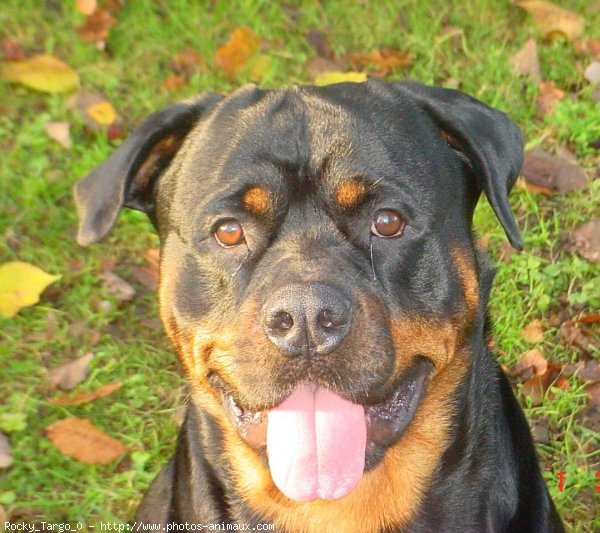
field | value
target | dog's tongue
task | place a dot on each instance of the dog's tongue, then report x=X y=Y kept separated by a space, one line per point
x=316 y=444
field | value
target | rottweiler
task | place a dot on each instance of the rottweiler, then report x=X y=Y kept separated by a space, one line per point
x=322 y=287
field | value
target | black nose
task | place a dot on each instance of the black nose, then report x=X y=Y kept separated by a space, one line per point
x=307 y=319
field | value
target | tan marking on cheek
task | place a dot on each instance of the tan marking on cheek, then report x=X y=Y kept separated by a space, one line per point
x=258 y=201
x=350 y=193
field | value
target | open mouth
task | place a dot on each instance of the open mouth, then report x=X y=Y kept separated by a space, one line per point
x=319 y=444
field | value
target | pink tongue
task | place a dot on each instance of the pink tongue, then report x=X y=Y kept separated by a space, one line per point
x=316 y=444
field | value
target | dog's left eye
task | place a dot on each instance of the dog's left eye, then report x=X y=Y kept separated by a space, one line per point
x=229 y=233
x=387 y=224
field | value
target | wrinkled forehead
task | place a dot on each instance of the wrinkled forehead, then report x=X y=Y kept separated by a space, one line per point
x=310 y=139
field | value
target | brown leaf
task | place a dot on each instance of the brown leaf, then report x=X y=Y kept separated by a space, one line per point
x=147 y=276
x=381 y=61
x=69 y=375
x=593 y=391
x=526 y=62
x=536 y=386
x=588 y=370
x=549 y=95
x=573 y=334
x=97 y=26
x=116 y=285
x=533 y=332
x=233 y=56
x=80 y=398
x=592 y=72
x=588 y=47
x=6 y=458
x=533 y=188
x=540 y=431
x=585 y=240
x=553 y=21
x=318 y=40
x=592 y=318
x=543 y=170
x=80 y=439
x=12 y=50
x=186 y=62
x=506 y=252
x=317 y=65
x=533 y=363
x=174 y=82
x=86 y=7
x=59 y=131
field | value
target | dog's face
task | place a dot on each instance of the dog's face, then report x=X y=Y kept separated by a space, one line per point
x=316 y=259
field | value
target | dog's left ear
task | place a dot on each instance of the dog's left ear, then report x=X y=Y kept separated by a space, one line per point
x=491 y=142
x=128 y=177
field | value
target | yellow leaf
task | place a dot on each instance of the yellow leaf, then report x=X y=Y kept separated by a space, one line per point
x=102 y=113
x=259 y=67
x=327 y=78
x=43 y=73
x=20 y=286
x=552 y=20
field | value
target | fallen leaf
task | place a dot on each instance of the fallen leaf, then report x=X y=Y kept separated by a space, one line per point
x=506 y=252
x=318 y=40
x=21 y=285
x=543 y=170
x=549 y=95
x=80 y=439
x=533 y=332
x=174 y=82
x=536 y=386
x=382 y=61
x=259 y=66
x=69 y=375
x=6 y=458
x=585 y=240
x=553 y=21
x=114 y=131
x=533 y=363
x=80 y=398
x=147 y=276
x=533 y=188
x=59 y=132
x=117 y=286
x=526 y=62
x=540 y=431
x=86 y=7
x=592 y=318
x=584 y=370
x=186 y=62
x=233 y=56
x=574 y=335
x=593 y=391
x=43 y=73
x=97 y=26
x=317 y=65
x=102 y=113
x=12 y=50
x=592 y=72
x=328 y=78
x=587 y=47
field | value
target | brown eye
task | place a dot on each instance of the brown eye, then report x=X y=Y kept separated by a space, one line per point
x=229 y=233
x=387 y=224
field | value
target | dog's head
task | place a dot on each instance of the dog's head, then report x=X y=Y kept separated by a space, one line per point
x=318 y=272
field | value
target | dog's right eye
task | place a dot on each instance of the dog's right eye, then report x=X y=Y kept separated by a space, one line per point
x=229 y=233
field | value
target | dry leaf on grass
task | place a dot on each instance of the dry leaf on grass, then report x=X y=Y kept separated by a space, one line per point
x=80 y=439
x=317 y=65
x=80 y=398
x=43 y=73
x=588 y=47
x=86 y=7
x=21 y=285
x=186 y=62
x=533 y=332
x=592 y=72
x=59 y=132
x=318 y=40
x=116 y=285
x=328 y=78
x=69 y=375
x=536 y=386
x=174 y=82
x=593 y=392
x=548 y=97
x=533 y=363
x=233 y=56
x=552 y=20
x=526 y=62
x=97 y=26
x=585 y=240
x=584 y=370
x=573 y=334
x=147 y=276
x=382 y=62
x=12 y=50
x=6 y=458
x=550 y=172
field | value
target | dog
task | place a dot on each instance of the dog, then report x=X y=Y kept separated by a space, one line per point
x=322 y=287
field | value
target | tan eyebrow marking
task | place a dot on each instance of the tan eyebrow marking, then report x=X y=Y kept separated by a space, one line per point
x=258 y=200
x=349 y=193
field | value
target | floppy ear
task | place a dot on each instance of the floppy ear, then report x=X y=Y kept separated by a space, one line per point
x=127 y=178
x=491 y=142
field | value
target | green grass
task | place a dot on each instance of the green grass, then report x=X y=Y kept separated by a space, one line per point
x=37 y=221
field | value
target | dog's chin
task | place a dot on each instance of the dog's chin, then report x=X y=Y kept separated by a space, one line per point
x=385 y=421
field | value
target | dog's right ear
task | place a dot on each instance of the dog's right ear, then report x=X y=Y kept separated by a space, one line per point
x=128 y=177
